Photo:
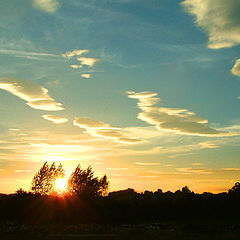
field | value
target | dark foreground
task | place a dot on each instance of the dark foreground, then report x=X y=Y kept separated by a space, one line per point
x=122 y=215
x=158 y=231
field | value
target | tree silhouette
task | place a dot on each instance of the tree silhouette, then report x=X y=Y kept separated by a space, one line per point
x=44 y=180
x=186 y=190
x=20 y=191
x=83 y=183
x=235 y=188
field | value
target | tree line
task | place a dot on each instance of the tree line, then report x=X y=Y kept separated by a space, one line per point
x=87 y=201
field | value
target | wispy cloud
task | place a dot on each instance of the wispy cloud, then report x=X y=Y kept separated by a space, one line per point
x=236 y=68
x=148 y=133
x=208 y=145
x=55 y=119
x=86 y=75
x=14 y=129
x=35 y=95
x=220 y=19
x=29 y=54
x=115 y=135
x=103 y=130
x=231 y=169
x=145 y=99
x=176 y=120
x=195 y=170
x=147 y=163
x=73 y=53
x=76 y=66
x=90 y=62
x=49 y=6
x=22 y=171
x=233 y=128
x=83 y=61
x=89 y=123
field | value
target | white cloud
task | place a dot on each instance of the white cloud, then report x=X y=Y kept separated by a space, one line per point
x=14 y=129
x=73 y=53
x=88 y=61
x=147 y=133
x=22 y=171
x=231 y=169
x=236 y=68
x=233 y=128
x=84 y=122
x=46 y=105
x=49 y=6
x=26 y=54
x=36 y=96
x=86 y=75
x=102 y=130
x=195 y=170
x=55 y=119
x=115 y=135
x=208 y=145
x=84 y=61
x=220 y=19
x=76 y=66
x=147 y=163
x=174 y=120
x=145 y=99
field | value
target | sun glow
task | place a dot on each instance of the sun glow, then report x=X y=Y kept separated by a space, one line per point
x=61 y=185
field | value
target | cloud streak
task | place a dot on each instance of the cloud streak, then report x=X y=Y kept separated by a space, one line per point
x=103 y=130
x=36 y=96
x=147 y=163
x=220 y=19
x=27 y=54
x=74 y=53
x=195 y=170
x=55 y=119
x=209 y=145
x=86 y=75
x=236 y=68
x=87 y=61
x=75 y=66
x=83 y=61
x=49 y=6
x=176 y=120
x=231 y=169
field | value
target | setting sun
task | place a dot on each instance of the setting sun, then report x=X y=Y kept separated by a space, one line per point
x=61 y=185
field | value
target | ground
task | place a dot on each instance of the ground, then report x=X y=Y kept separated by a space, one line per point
x=187 y=230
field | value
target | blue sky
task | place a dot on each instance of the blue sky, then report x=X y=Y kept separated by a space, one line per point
x=145 y=91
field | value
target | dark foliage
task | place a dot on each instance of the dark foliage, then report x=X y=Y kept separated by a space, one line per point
x=44 y=180
x=125 y=206
x=83 y=183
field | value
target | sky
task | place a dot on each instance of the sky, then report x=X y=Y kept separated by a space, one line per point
x=147 y=92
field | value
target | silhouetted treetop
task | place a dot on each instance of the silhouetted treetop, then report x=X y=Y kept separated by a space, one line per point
x=44 y=180
x=235 y=188
x=20 y=191
x=83 y=183
x=186 y=190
